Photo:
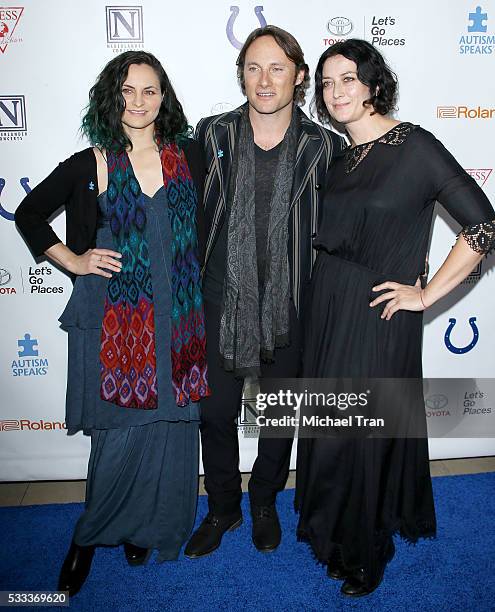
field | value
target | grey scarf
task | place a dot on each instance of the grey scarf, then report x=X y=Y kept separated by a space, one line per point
x=253 y=325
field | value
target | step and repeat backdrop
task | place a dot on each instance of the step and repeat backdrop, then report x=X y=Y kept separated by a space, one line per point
x=50 y=54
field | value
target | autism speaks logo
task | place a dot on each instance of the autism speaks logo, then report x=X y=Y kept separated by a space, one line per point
x=9 y=20
x=477 y=41
x=30 y=362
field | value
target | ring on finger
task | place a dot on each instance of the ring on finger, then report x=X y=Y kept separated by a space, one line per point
x=101 y=257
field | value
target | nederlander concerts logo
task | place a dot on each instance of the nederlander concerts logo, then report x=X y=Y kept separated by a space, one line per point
x=28 y=425
x=124 y=28
x=13 y=121
x=247 y=423
x=464 y=112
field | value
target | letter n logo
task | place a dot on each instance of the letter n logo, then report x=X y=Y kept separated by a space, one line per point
x=13 y=114
x=124 y=24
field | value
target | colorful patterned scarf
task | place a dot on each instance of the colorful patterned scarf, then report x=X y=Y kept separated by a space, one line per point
x=127 y=355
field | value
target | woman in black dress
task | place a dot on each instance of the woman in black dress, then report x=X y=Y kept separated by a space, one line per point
x=136 y=337
x=365 y=313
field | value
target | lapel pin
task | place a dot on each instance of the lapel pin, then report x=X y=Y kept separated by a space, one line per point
x=91 y=185
x=220 y=153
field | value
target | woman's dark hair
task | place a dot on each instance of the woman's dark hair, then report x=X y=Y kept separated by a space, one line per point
x=102 y=121
x=289 y=46
x=372 y=70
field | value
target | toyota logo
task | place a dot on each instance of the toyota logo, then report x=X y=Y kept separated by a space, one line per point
x=4 y=277
x=340 y=26
x=437 y=402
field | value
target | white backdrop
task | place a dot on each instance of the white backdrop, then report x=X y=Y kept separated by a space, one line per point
x=50 y=54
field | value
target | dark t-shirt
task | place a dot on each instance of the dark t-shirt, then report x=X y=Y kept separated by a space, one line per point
x=265 y=167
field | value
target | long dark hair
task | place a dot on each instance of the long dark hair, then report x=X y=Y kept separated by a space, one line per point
x=102 y=123
x=372 y=70
x=289 y=46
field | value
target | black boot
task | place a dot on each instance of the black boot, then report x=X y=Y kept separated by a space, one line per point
x=266 y=534
x=136 y=555
x=208 y=536
x=75 y=568
x=357 y=583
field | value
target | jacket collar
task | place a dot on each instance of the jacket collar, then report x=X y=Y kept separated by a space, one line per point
x=310 y=147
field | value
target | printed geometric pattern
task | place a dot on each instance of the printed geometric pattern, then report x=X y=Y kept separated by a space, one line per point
x=189 y=368
x=127 y=354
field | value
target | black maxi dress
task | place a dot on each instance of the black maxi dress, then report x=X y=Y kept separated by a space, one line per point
x=353 y=494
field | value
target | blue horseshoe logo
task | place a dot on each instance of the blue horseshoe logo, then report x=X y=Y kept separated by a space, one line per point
x=25 y=185
x=258 y=11
x=460 y=350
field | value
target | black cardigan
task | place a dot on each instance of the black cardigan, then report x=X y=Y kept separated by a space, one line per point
x=74 y=185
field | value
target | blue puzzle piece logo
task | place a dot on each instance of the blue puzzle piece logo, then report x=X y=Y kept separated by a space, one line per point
x=477 y=18
x=27 y=345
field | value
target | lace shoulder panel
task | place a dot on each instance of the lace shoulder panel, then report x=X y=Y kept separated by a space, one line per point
x=394 y=137
x=480 y=237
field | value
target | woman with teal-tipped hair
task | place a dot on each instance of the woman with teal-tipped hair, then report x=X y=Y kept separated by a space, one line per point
x=136 y=337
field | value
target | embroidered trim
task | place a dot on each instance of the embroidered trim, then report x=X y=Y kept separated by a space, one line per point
x=480 y=237
x=394 y=137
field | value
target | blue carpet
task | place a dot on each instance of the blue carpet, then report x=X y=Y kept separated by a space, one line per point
x=454 y=572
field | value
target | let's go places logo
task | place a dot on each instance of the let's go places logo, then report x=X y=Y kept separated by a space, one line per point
x=476 y=40
x=30 y=362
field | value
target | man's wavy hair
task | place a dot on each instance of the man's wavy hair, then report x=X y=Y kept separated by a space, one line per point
x=292 y=50
x=372 y=70
x=102 y=121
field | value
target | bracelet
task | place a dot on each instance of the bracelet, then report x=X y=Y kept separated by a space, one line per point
x=421 y=298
